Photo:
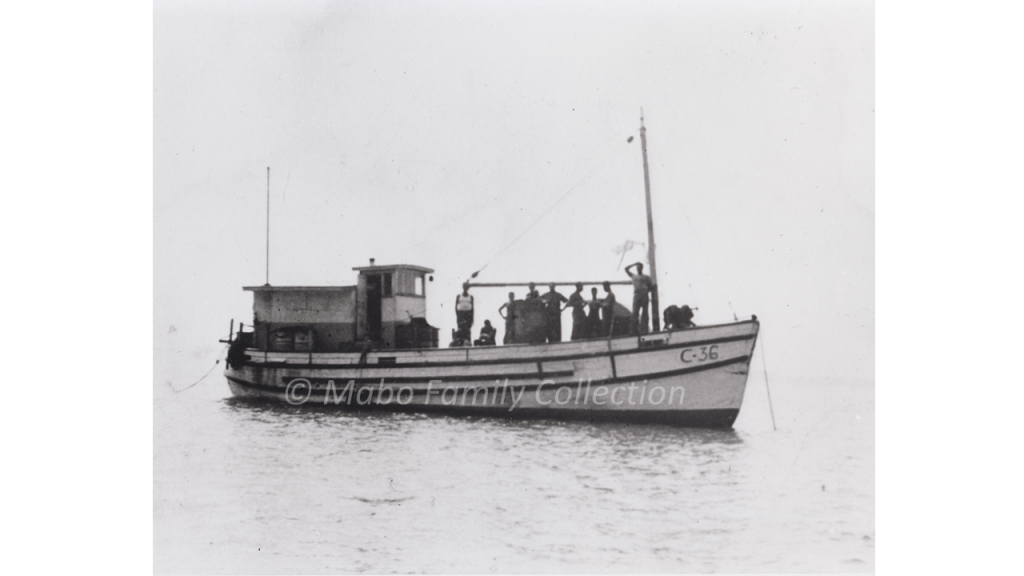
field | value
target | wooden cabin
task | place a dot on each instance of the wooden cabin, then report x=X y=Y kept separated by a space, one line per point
x=387 y=308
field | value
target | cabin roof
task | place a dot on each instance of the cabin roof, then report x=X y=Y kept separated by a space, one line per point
x=392 y=268
x=269 y=288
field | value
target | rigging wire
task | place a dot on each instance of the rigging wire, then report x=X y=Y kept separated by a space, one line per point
x=765 y=367
x=550 y=208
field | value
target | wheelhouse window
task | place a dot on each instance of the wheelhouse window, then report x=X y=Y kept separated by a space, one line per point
x=385 y=285
x=409 y=283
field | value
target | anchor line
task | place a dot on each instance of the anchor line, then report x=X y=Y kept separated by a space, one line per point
x=765 y=367
x=215 y=363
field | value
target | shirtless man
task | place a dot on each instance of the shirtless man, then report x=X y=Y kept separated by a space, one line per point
x=641 y=296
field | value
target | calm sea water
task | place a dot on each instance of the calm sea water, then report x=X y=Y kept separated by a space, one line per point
x=243 y=488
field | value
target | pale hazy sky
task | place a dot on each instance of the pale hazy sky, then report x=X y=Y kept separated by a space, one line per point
x=434 y=133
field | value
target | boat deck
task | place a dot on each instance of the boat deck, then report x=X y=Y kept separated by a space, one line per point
x=515 y=353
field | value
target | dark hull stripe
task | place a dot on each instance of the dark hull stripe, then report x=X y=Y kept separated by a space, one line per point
x=341 y=381
x=455 y=378
x=525 y=360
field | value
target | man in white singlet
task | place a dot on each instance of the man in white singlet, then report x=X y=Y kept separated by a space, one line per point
x=464 y=312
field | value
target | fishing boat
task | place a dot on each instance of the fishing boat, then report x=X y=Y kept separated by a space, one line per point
x=368 y=346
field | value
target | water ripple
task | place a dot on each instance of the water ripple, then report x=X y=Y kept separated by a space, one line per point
x=244 y=486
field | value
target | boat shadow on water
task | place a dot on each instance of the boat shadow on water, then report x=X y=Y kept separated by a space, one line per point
x=628 y=431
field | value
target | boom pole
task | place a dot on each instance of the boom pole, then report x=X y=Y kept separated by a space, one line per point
x=655 y=314
x=542 y=284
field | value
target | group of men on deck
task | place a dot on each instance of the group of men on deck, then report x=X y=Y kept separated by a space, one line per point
x=591 y=318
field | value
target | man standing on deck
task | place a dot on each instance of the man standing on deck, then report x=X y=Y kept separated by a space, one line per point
x=579 y=316
x=641 y=297
x=464 y=313
x=594 y=315
x=607 y=310
x=553 y=308
x=510 y=318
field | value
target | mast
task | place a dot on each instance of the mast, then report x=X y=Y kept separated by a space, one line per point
x=655 y=313
x=267 y=225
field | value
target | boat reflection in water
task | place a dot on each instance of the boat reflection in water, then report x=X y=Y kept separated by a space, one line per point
x=628 y=439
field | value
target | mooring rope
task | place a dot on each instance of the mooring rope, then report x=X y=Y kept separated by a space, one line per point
x=215 y=363
x=765 y=367
x=550 y=208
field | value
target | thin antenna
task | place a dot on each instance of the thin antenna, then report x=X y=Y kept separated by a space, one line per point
x=268 y=225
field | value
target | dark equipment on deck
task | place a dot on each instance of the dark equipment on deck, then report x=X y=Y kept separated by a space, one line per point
x=531 y=322
x=679 y=318
x=416 y=334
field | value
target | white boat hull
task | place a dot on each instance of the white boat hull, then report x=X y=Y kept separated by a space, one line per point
x=694 y=377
